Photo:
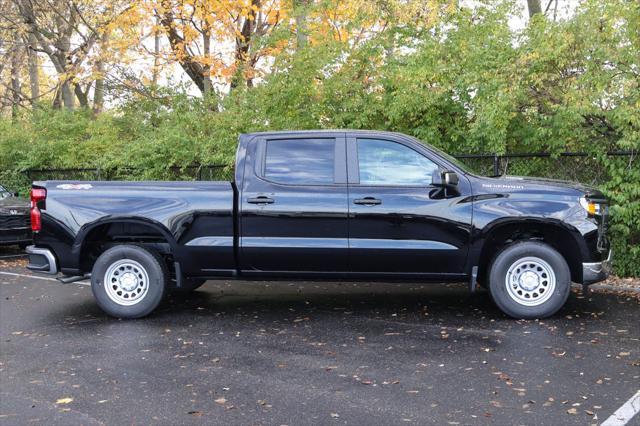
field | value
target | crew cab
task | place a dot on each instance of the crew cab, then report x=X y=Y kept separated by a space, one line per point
x=348 y=205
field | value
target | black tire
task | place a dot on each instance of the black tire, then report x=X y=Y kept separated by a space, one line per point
x=134 y=261
x=189 y=285
x=529 y=289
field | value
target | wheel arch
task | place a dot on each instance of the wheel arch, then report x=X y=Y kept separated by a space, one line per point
x=560 y=236
x=114 y=230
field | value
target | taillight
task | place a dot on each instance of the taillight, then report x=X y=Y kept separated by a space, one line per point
x=37 y=194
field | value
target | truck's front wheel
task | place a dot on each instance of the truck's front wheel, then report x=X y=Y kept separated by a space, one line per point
x=529 y=280
x=129 y=281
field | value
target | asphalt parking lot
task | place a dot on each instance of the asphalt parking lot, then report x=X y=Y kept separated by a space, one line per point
x=311 y=353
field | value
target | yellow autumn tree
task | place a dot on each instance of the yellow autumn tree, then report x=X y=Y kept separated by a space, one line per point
x=216 y=41
x=229 y=43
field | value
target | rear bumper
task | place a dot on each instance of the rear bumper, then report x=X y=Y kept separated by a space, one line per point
x=596 y=271
x=41 y=260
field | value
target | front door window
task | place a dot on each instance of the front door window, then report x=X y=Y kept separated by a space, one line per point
x=392 y=164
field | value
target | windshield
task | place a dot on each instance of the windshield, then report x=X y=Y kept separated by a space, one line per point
x=4 y=193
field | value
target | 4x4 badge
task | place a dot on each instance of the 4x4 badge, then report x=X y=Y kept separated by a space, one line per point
x=75 y=186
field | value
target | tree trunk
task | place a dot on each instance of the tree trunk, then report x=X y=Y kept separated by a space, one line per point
x=193 y=69
x=34 y=77
x=243 y=44
x=156 y=55
x=534 y=7
x=98 y=92
x=300 y=11
x=82 y=95
x=57 y=101
x=68 y=99
x=206 y=42
x=15 y=82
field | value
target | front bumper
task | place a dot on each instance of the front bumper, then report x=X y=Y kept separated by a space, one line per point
x=596 y=271
x=41 y=260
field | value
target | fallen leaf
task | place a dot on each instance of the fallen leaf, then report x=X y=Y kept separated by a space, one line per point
x=572 y=411
x=220 y=401
x=64 y=400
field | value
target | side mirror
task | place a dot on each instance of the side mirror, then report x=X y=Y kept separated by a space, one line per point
x=16 y=194
x=447 y=179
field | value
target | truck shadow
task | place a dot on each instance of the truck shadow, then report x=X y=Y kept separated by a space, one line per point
x=276 y=299
x=450 y=302
x=286 y=301
x=274 y=302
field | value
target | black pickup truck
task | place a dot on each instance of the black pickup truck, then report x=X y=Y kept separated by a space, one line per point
x=348 y=205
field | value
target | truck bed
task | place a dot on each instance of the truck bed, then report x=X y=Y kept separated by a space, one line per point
x=181 y=210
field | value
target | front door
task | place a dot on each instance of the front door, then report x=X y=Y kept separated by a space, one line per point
x=398 y=222
x=293 y=207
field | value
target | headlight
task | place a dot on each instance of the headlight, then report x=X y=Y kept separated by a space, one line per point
x=594 y=209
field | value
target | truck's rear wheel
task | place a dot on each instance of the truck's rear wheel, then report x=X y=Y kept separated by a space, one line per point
x=529 y=280
x=129 y=281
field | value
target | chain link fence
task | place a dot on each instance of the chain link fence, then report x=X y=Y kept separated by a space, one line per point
x=573 y=166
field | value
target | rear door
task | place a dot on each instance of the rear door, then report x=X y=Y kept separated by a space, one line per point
x=293 y=207
x=399 y=223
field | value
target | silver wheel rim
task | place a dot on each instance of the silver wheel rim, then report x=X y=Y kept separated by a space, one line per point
x=126 y=282
x=530 y=281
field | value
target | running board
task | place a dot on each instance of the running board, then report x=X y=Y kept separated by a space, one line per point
x=73 y=279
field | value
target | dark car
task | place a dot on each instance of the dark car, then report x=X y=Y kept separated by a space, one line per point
x=348 y=205
x=14 y=219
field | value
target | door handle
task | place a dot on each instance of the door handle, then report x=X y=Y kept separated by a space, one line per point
x=260 y=200
x=367 y=201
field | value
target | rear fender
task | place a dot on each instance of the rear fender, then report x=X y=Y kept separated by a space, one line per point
x=80 y=241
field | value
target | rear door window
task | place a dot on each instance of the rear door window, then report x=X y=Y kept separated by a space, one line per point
x=300 y=161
